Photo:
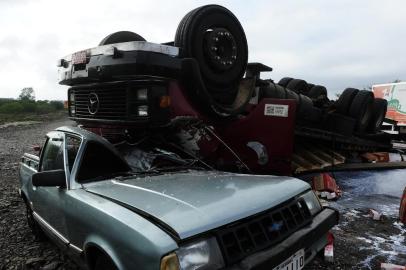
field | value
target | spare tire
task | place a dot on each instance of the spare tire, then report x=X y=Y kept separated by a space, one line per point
x=344 y=101
x=317 y=91
x=297 y=85
x=379 y=109
x=361 y=109
x=284 y=81
x=121 y=36
x=213 y=36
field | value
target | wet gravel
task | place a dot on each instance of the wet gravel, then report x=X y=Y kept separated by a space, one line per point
x=360 y=242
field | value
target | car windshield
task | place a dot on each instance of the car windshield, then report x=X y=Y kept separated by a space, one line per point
x=148 y=157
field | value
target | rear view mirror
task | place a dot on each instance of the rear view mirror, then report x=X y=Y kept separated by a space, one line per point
x=54 y=178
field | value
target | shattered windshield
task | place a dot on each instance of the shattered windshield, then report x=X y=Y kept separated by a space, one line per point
x=147 y=157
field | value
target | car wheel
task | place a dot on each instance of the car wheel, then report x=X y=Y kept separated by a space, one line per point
x=32 y=223
x=104 y=263
x=284 y=81
x=297 y=85
x=215 y=38
x=344 y=101
x=361 y=109
x=121 y=36
x=379 y=109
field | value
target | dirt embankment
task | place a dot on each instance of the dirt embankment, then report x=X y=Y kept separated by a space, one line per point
x=361 y=243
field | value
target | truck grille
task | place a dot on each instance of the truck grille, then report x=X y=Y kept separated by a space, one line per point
x=262 y=231
x=112 y=103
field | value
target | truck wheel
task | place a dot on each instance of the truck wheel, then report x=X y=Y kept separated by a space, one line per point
x=32 y=223
x=104 y=263
x=344 y=101
x=121 y=36
x=361 y=109
x=379 y=109
x=297 y=85
x=215 y=38
x=316 y=91
x=284 y=81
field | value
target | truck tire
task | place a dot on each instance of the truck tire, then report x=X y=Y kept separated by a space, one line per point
x=361 y=109
x=344 y=101
x=379 y=109
x=299 y=86
x=284 y=81
x=272 y=90
x=121 y=36
x=316 y=91
x=339 y=123
x=215 y=38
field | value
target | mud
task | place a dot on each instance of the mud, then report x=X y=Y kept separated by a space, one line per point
x=360 y=242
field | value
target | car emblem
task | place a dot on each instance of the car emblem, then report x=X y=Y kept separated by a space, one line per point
x=276 y=226
x=93 y=103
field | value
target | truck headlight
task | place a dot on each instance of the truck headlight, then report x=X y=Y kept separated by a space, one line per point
x=200 y=255
x=312 y=202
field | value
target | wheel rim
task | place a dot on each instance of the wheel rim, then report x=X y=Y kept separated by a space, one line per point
x=220 y=48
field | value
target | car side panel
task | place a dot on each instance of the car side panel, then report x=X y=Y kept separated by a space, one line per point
x=129 y=239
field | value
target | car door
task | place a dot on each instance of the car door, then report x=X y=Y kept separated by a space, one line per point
x=48 y=202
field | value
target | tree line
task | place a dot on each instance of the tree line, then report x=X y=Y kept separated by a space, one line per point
x=26 y=103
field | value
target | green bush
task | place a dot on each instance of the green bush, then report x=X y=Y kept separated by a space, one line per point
x=58 y=105
x=11 y=107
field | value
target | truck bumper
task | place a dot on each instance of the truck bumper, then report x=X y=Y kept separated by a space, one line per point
x=311 y=238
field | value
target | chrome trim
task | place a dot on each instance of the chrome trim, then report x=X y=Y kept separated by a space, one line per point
x=29 y=167
x=50 y=228
x=130 y=46
x=75 y=248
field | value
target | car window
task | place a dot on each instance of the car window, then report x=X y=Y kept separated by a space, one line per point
x=98 y=161
x=52 y=158
x=72 y=146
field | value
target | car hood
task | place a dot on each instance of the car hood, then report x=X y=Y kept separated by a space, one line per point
x=194 y=202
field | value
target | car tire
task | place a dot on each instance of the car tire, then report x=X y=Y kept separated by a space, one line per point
x=379 y=109
x=104 y=263
x=299 y=86
x=344 y=101
x=121 y=36
x=339 y=123
x=316 y=91
x=285 y=81
x=32 y=223
x=215 y=38
x=361 y=109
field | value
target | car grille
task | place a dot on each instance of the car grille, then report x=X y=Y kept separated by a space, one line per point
x=262 y=231
x=112 y=103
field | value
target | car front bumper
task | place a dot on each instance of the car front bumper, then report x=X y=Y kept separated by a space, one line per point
x=311 y=238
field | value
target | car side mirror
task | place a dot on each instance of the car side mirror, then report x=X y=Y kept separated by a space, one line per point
x=54 y=178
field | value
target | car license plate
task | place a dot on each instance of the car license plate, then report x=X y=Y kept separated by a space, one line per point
x=294 y=262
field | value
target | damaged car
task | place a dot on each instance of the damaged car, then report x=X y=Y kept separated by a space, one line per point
x=146 y=206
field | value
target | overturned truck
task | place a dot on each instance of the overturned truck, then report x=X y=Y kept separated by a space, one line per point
x=200 y=95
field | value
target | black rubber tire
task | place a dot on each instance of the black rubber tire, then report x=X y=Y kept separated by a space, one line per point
x=272 y=90
x=285 y=81
x=339 y=123
x=310 y=85
x=379 y=109
x=32 y=223
x=299 y=86
x=121 y=36
x=361 y=109
x=317 y=91
x=190 y=37
x=343 y=103
x=104 y=263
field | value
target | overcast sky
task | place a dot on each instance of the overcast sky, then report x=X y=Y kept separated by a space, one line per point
x=333 y=43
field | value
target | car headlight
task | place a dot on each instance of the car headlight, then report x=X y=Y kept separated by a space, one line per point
x=201 y=255
x=312 y=202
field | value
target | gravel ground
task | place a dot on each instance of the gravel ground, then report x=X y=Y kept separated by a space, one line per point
x=360 y=242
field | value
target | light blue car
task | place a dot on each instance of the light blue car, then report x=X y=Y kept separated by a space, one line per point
x=106 y=214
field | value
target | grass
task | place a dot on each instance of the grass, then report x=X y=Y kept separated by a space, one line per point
x=19 y=117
